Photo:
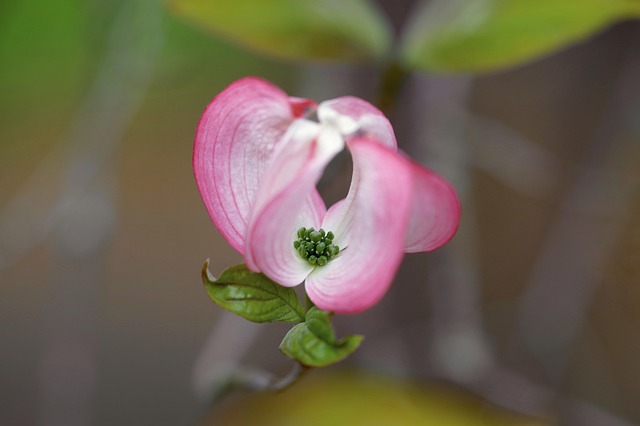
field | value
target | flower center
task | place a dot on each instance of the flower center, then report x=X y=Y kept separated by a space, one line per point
x=316 y=247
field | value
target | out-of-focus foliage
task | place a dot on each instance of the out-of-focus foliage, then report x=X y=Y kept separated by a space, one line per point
x=484 y=35
x=295 y=29
x=356 y=399
x=43 y=58
x=42 y=49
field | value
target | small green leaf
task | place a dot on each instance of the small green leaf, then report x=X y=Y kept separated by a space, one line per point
x=484 y=35
x=253 y=296
x=313 y=343
x=295 y=29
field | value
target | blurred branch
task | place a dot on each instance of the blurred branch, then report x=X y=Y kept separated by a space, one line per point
x=244 y=378
x=581 y=413
x=230 y=376
x=513 y=391
x=460 y=349
x=220 y=357
x=83 y=217
x=510 y=158
x=114 y=97
x=590 y=220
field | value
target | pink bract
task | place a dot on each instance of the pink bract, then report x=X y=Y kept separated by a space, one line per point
x=257 y=158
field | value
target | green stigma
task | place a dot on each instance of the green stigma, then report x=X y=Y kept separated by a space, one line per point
x=316 y=247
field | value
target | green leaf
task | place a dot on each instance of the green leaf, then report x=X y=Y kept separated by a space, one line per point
x=313 y=343
x=253 y=296
x=294 y=29
x=484 y=35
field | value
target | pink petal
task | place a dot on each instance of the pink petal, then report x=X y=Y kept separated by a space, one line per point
x=372 y=223
x=371 y=121
x=287 y=201
x=435 y=212
x=234 y=142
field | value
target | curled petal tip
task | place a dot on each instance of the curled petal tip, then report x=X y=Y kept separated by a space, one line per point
x=206 y=273
x=435 y=211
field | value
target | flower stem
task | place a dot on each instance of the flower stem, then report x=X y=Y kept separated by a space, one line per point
x=393 y=79
x=293 y=376
x=308 y=302
x=258 y=381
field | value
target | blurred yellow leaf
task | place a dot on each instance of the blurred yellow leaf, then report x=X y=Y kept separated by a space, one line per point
x=351 y=399
x=294 y=29
x=484 y=35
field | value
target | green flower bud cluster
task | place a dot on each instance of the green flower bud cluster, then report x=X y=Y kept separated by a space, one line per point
x=316 y=247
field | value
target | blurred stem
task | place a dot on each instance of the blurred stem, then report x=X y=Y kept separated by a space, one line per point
x=258 y=380
x=292 y=377
x=308 y=302
x=393 y=80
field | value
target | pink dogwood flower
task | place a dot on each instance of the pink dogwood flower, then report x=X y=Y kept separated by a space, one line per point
x=257 y=158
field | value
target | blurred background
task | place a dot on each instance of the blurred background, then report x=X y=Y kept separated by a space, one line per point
x=531 y=315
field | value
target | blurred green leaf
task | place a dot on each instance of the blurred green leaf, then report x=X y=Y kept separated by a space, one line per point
x=484 y=35
x=253 y=296
x=313 y=343
x=43 y=51
x=294 y=29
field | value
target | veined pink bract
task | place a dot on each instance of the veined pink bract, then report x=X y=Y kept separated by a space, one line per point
x=257 y=158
